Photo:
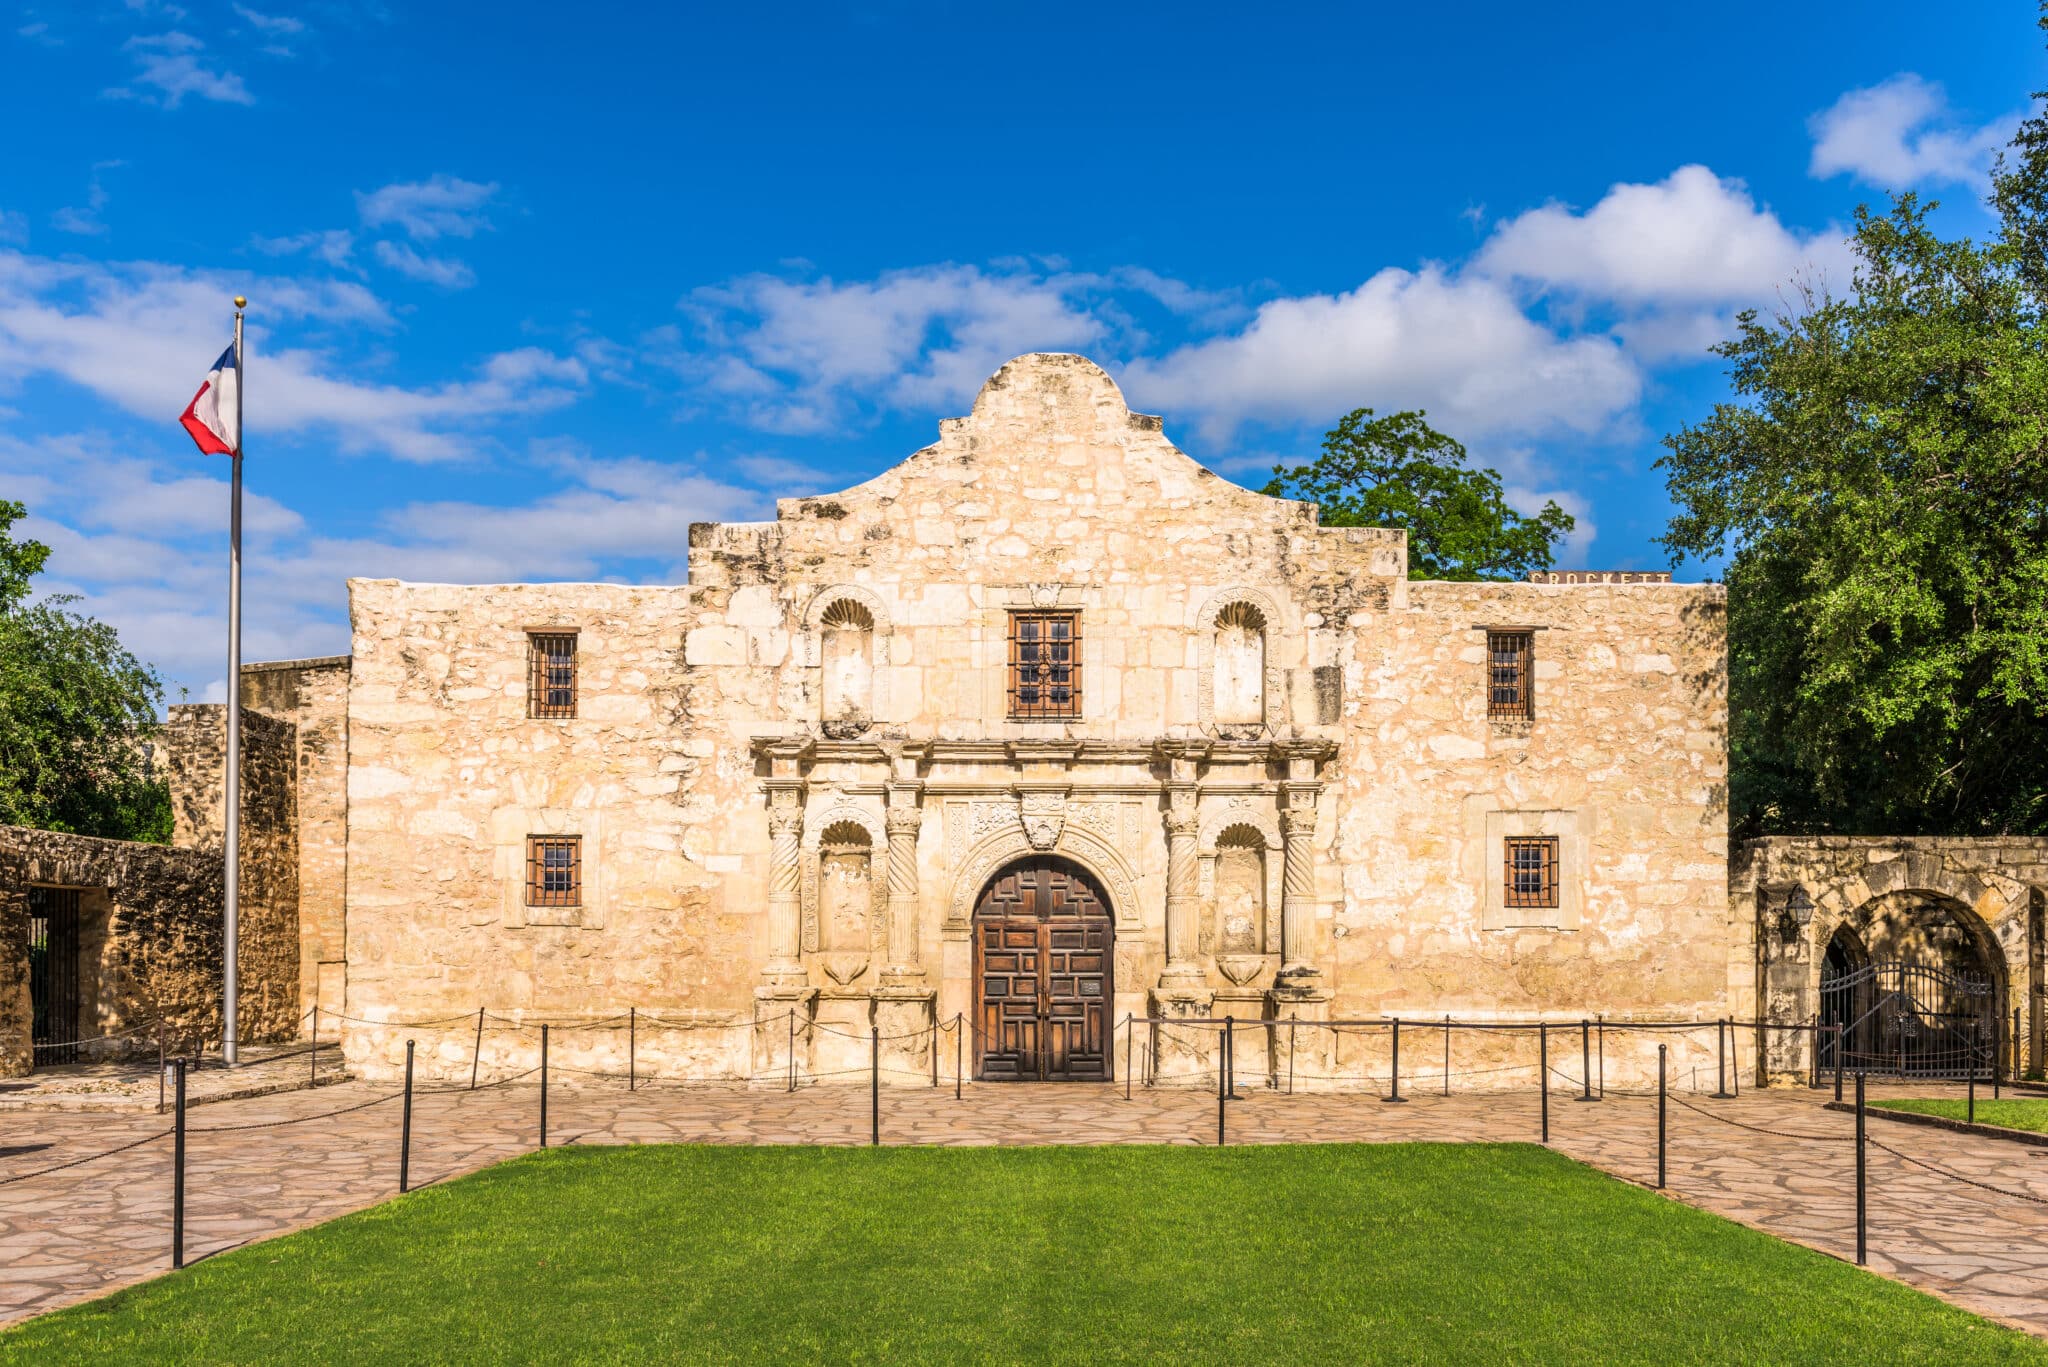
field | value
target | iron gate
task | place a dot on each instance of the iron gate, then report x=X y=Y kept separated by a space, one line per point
x=53 y=974
x=1908 y=1020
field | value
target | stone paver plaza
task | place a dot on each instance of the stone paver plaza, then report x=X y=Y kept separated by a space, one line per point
x=71 y=1234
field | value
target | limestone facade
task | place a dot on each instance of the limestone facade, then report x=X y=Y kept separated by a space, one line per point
x=792 y=780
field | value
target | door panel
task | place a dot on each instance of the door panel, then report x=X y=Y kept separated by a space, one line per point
x=1043 y=940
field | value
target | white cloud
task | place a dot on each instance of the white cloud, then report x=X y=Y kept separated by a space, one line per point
x=278 y=25
x=797 y=355
x=442 y=206
x=446 y=272
x=1900 y=133
x=169 y=67
x=138 y=335
x=1459 y=346
x=335 y=246
x=1691 y=238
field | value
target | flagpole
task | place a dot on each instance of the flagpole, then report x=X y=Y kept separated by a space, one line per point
x=229 y=1041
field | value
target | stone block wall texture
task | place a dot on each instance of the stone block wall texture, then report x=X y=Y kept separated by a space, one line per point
x=1284 y=746
x=313 y=696
x=268 y=959
x=150 y=939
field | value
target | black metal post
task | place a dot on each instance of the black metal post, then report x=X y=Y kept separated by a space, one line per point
x=1997 y=1050
x=1660 y=1117
x=1291 y=1028
x=935 y=1046
x=1861 y=1172
x=543 y=1086
x=632 y=1048
x=1721 y=1059
x=161 y=1066
x=2019 y=1062
x=1222 y=1077
x=1130 y=1032
x=960 y=1050
x=792 y=1049
x=1543 y=1073
x=875 y=1086
x=1447 y=1053
x=405 y=1129
x=1838 y=1060
x=178 y=1172
x=1600 y=1037
x=476 y=1055
x=313 y=1054
x=1585 y=1059
x=1395 y=1096
x=1970 y=1111
x=1152 y=1053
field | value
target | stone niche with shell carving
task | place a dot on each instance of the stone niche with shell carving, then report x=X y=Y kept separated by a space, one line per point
x=845 y=889
x=1240 y=852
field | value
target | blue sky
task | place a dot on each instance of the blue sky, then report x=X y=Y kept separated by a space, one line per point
x=533 y=289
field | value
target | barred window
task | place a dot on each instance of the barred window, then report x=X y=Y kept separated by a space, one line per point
x=1508 y=669
x=1045 y=665
x=1531 y=871
x=554 y=870
x=551 y=674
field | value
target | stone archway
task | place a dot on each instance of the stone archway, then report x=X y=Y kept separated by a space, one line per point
x=1044 y=974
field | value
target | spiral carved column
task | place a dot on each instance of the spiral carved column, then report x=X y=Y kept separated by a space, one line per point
x=785 y=877
x=1298 y=886
x=904 y=821
x=1183 y=905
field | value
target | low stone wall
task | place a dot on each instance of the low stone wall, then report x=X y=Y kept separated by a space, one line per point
x=150 y=945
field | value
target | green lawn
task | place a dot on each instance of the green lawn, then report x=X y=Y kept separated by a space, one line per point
x=1338 y=1253
x=2024 y=1113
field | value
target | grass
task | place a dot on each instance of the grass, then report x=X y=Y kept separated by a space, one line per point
x=1335 y=1253
x=2029 y=1113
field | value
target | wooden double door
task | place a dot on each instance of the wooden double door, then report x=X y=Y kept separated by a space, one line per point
x=1043 y=942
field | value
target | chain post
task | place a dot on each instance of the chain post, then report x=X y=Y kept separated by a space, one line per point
x=1543 y=1073
x=1130 y=1031
x=1291 y=1027
x=476 y=1055
x=543 y=1086
x=1838 y=1061
x=959 y=1050
x=875 y=1086
x=1222 y=1077
x=1394 y=1096
x=313 y=1054
x=1660 y=1117
x=791 y=1060
x=162 y=1065
x=1585 y=1059
x=178 y=1171
x=1861 y=1172
x=405 y=1129
x=1447 y=1053
x=632 y=1048
x=1721 y=1059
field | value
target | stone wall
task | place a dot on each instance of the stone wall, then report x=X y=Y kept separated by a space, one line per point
x=150 y=940
x=1994 y=889
x=1283 y=776
x=268 y=961
x=313 y=696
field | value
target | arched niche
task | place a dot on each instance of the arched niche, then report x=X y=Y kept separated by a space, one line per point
x=1240 y=688
x=846 y=631
x=835 y=834
x=1240 y=856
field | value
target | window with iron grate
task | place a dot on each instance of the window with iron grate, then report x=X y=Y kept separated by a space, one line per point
x=1509 y=670
x=551 y=674
x=1045 y=666
x=1531 y=871
x=554 y=870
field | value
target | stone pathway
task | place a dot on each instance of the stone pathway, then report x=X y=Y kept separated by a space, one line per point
x=135 y=1085
x=75 y=1233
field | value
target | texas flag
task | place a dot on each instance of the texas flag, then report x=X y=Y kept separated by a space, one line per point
x=214 y=416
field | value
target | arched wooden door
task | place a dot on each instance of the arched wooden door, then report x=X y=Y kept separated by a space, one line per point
x=1042 y=972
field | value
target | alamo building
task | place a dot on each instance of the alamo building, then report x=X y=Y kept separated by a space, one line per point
x=1045 y=728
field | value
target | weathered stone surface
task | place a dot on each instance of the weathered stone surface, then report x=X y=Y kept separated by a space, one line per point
x=1277 y=690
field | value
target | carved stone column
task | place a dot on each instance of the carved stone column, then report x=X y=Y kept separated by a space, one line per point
x=1298 y=884
x=904 y=821
x=785 y=788
x=1183 y=904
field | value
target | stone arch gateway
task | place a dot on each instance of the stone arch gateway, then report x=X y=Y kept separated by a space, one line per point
x=1044 y=937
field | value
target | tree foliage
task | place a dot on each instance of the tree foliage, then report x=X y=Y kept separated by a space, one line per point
x=76 y=710
x=1398 y=471
x=1879 y=482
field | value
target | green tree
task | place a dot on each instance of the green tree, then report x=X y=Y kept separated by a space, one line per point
x=1398 y=471
x=76 y=710
x=1879 y=485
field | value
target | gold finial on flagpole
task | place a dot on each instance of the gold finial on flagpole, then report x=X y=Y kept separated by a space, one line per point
x=240 y=302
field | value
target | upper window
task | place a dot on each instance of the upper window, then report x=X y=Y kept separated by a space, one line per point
x=551 y=674
x=1509 y=696
x=1045 y=665
x=1531 y=871
x=554 y=871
